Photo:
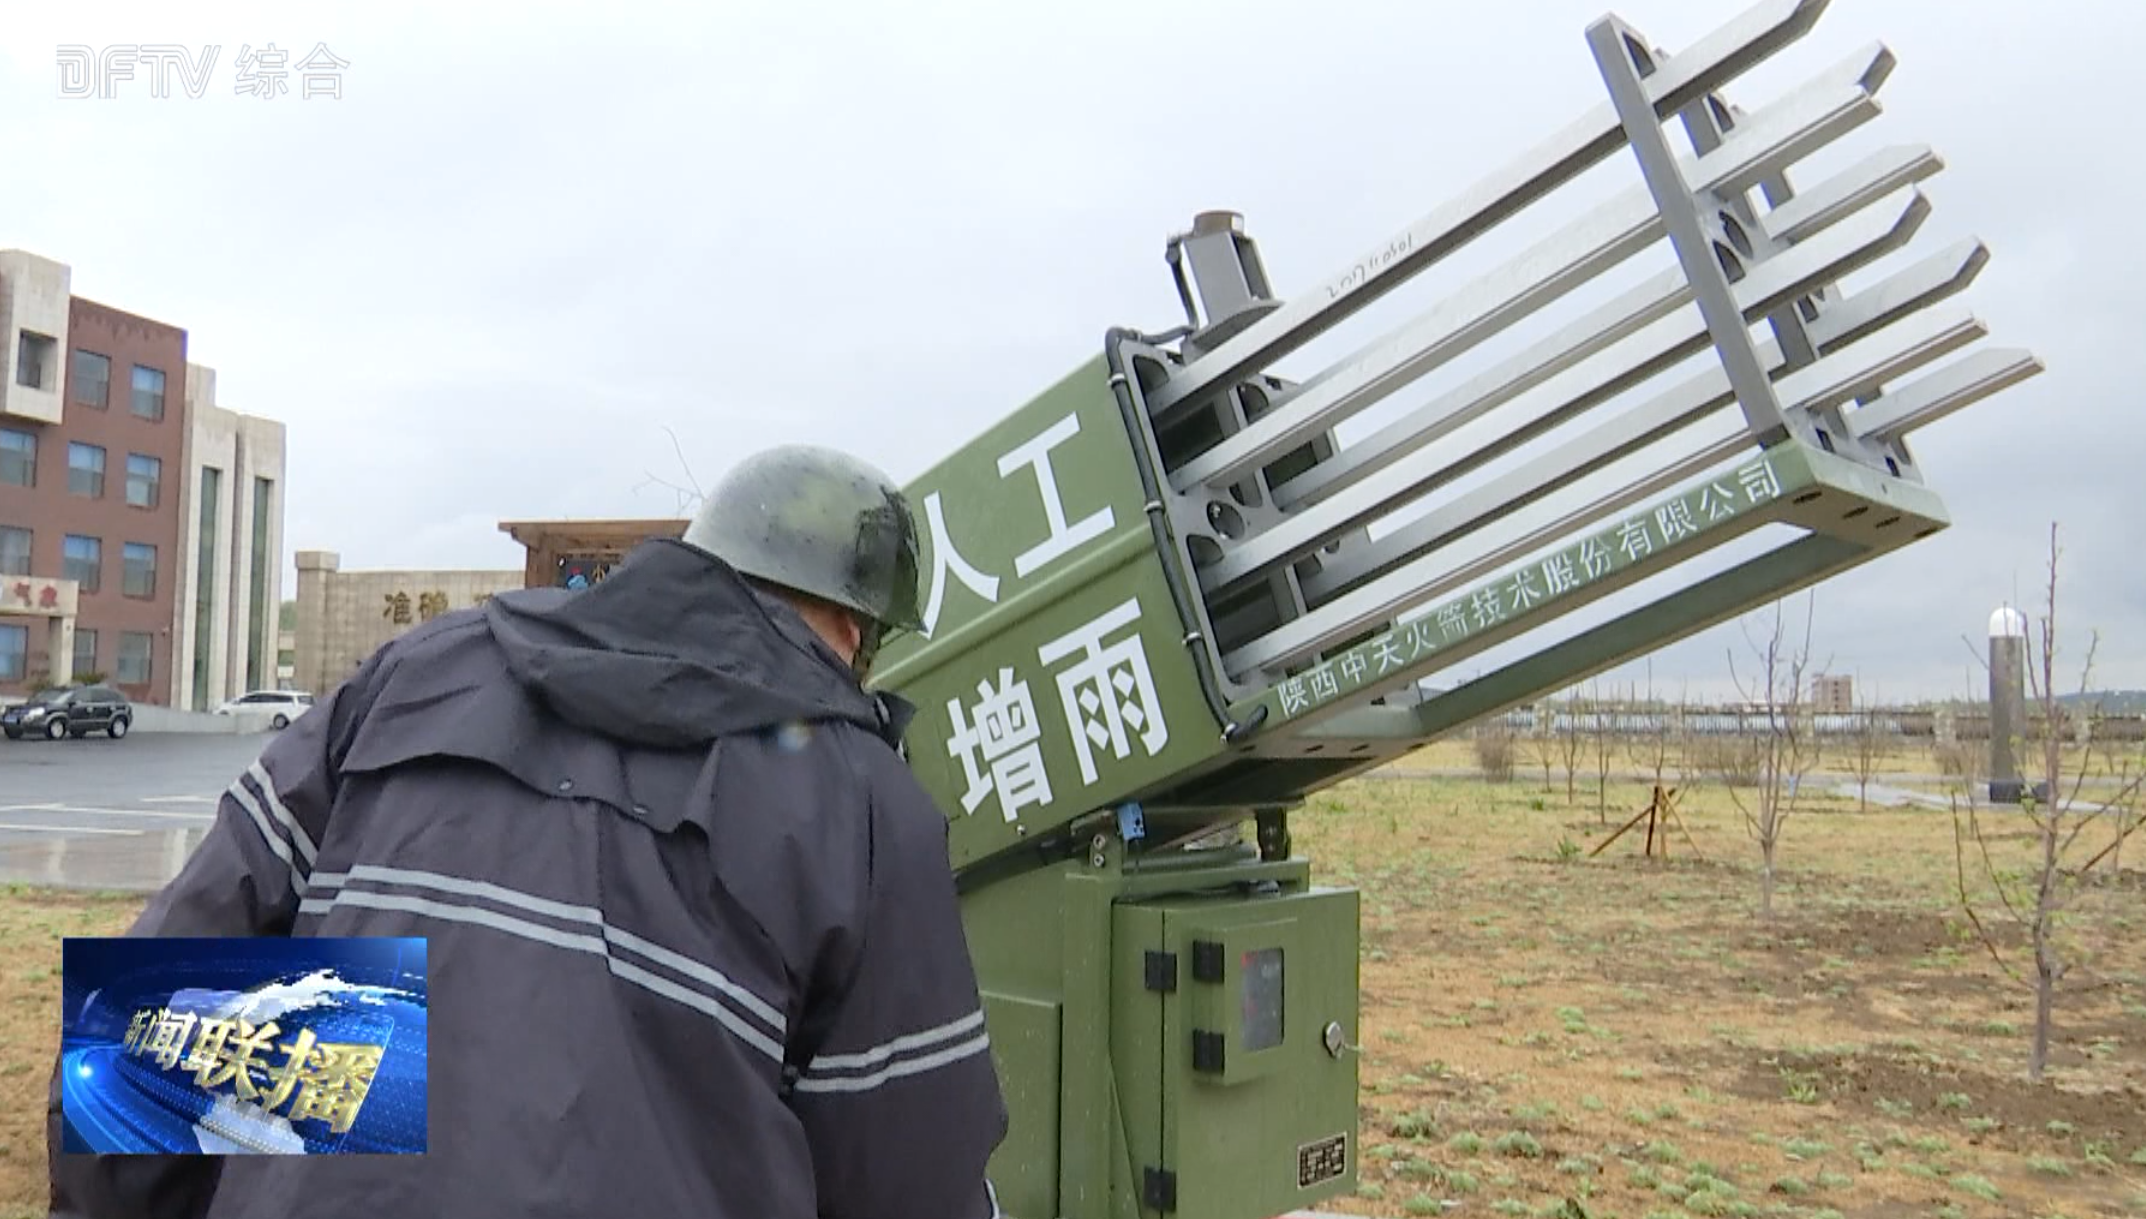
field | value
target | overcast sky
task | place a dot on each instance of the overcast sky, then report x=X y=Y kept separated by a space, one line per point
x=526 y=238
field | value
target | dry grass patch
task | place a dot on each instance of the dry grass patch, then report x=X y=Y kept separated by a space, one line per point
x=32 y=924
x=1559 y=1037
x=1556 y=1036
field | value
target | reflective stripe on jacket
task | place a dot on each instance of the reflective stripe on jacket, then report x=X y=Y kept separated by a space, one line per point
x=693 y=943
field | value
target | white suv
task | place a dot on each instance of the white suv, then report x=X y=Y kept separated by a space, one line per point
x=282 y=706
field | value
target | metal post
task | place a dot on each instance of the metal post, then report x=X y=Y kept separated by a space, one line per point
x=2008 y=702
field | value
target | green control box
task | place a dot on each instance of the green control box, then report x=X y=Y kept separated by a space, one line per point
x=1233 y=1031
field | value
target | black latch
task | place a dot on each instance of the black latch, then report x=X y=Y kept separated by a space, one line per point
x=1206 y=961
x=1159 y=1191
x=1162 y=971
x=1206 y=1051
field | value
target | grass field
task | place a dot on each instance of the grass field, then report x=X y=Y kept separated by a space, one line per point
x=1547 y=1034
x=32 y=924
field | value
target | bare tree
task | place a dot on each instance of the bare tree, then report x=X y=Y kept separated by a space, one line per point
x=1658 y=744
x=1602 y=736
x=2050 y=885
x=2126 y=812
x=690 y=495
x=1542 y=745
x=1569 y=743
x=1783 y=746
x=1867 y=743
x=1494 y=750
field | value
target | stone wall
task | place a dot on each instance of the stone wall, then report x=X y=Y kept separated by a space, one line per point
x=345 y=616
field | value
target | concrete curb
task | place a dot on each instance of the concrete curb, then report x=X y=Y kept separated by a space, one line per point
x=165 y=720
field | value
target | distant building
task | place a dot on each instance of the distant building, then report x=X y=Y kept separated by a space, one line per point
x=569 y=554
x=345 y=616
x=226 y=642
x=341 y=617
x=107 y=466
x=287 y=645
x=1832 y=695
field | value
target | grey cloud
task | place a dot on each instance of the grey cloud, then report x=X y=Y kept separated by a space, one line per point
x=479 y=285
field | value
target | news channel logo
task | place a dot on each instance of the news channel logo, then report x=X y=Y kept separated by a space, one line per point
x=244 y=1046
x=264 y=72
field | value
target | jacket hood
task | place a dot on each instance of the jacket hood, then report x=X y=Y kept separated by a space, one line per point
x=673 y=649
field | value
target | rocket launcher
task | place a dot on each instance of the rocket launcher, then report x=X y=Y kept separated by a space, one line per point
x=1166 y=600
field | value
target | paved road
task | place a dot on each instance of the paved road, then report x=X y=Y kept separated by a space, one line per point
x=100 y=813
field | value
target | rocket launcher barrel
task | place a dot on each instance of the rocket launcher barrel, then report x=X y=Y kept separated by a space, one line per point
x=1169 y=587
x=1183 y=588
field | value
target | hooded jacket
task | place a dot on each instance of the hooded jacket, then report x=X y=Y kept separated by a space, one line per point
x=693 y=943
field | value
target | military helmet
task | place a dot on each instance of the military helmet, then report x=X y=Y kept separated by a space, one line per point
x=821 y=522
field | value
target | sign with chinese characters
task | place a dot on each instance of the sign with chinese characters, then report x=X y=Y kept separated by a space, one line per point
x=1050 y=674
x=1498 y=608
x=401 y=609
x=314 y=1045
x=35 y=595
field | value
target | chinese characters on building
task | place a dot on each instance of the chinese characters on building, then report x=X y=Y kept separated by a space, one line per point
x=322 y=1081
x=400 y=609
x=25 y=594
x=1479 y=609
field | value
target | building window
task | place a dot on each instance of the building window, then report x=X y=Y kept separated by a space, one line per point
x=83 y=562
x=14 y=551
x=205 y=583
x=18 y=458
x=34 y=354
x=145 y=478
x=91 y=379
x=85 y=662
x=14 y=652
x=134 y=654
x=257 y=641
x=85 y=470
x=149 y=392
x=138 y=578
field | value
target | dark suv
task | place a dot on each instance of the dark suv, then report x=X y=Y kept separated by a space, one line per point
x=69 y=711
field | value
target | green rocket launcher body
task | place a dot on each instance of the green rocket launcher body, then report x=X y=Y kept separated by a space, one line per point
x=1167 y=600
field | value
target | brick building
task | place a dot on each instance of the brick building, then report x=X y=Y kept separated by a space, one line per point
x=1833 y=694
x=108 y=468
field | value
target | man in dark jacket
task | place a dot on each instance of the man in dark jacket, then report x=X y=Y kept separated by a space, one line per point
x=693 y=945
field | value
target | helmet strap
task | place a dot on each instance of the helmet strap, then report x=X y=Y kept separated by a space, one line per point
x=870 y=634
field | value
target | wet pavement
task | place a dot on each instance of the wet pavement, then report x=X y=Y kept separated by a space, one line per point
x=116 y=815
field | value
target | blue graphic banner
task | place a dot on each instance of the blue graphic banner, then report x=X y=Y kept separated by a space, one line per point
x=243 y=1046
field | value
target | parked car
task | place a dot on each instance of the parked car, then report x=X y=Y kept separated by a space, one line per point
x=64 y=711
x=282 y=706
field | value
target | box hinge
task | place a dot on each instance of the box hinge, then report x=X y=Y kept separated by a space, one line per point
x=1162 y=971
x=1159 y=1191
x=1206 y=1051
x=1206 y=961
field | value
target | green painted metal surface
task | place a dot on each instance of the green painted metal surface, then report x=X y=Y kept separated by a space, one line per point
x=1099 y=1071
x=1242 y=1107
x=1100 y=733
x=1052 y=678
x=1865 y=513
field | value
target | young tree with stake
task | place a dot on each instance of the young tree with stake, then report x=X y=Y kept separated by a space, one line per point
x=2052 y=882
